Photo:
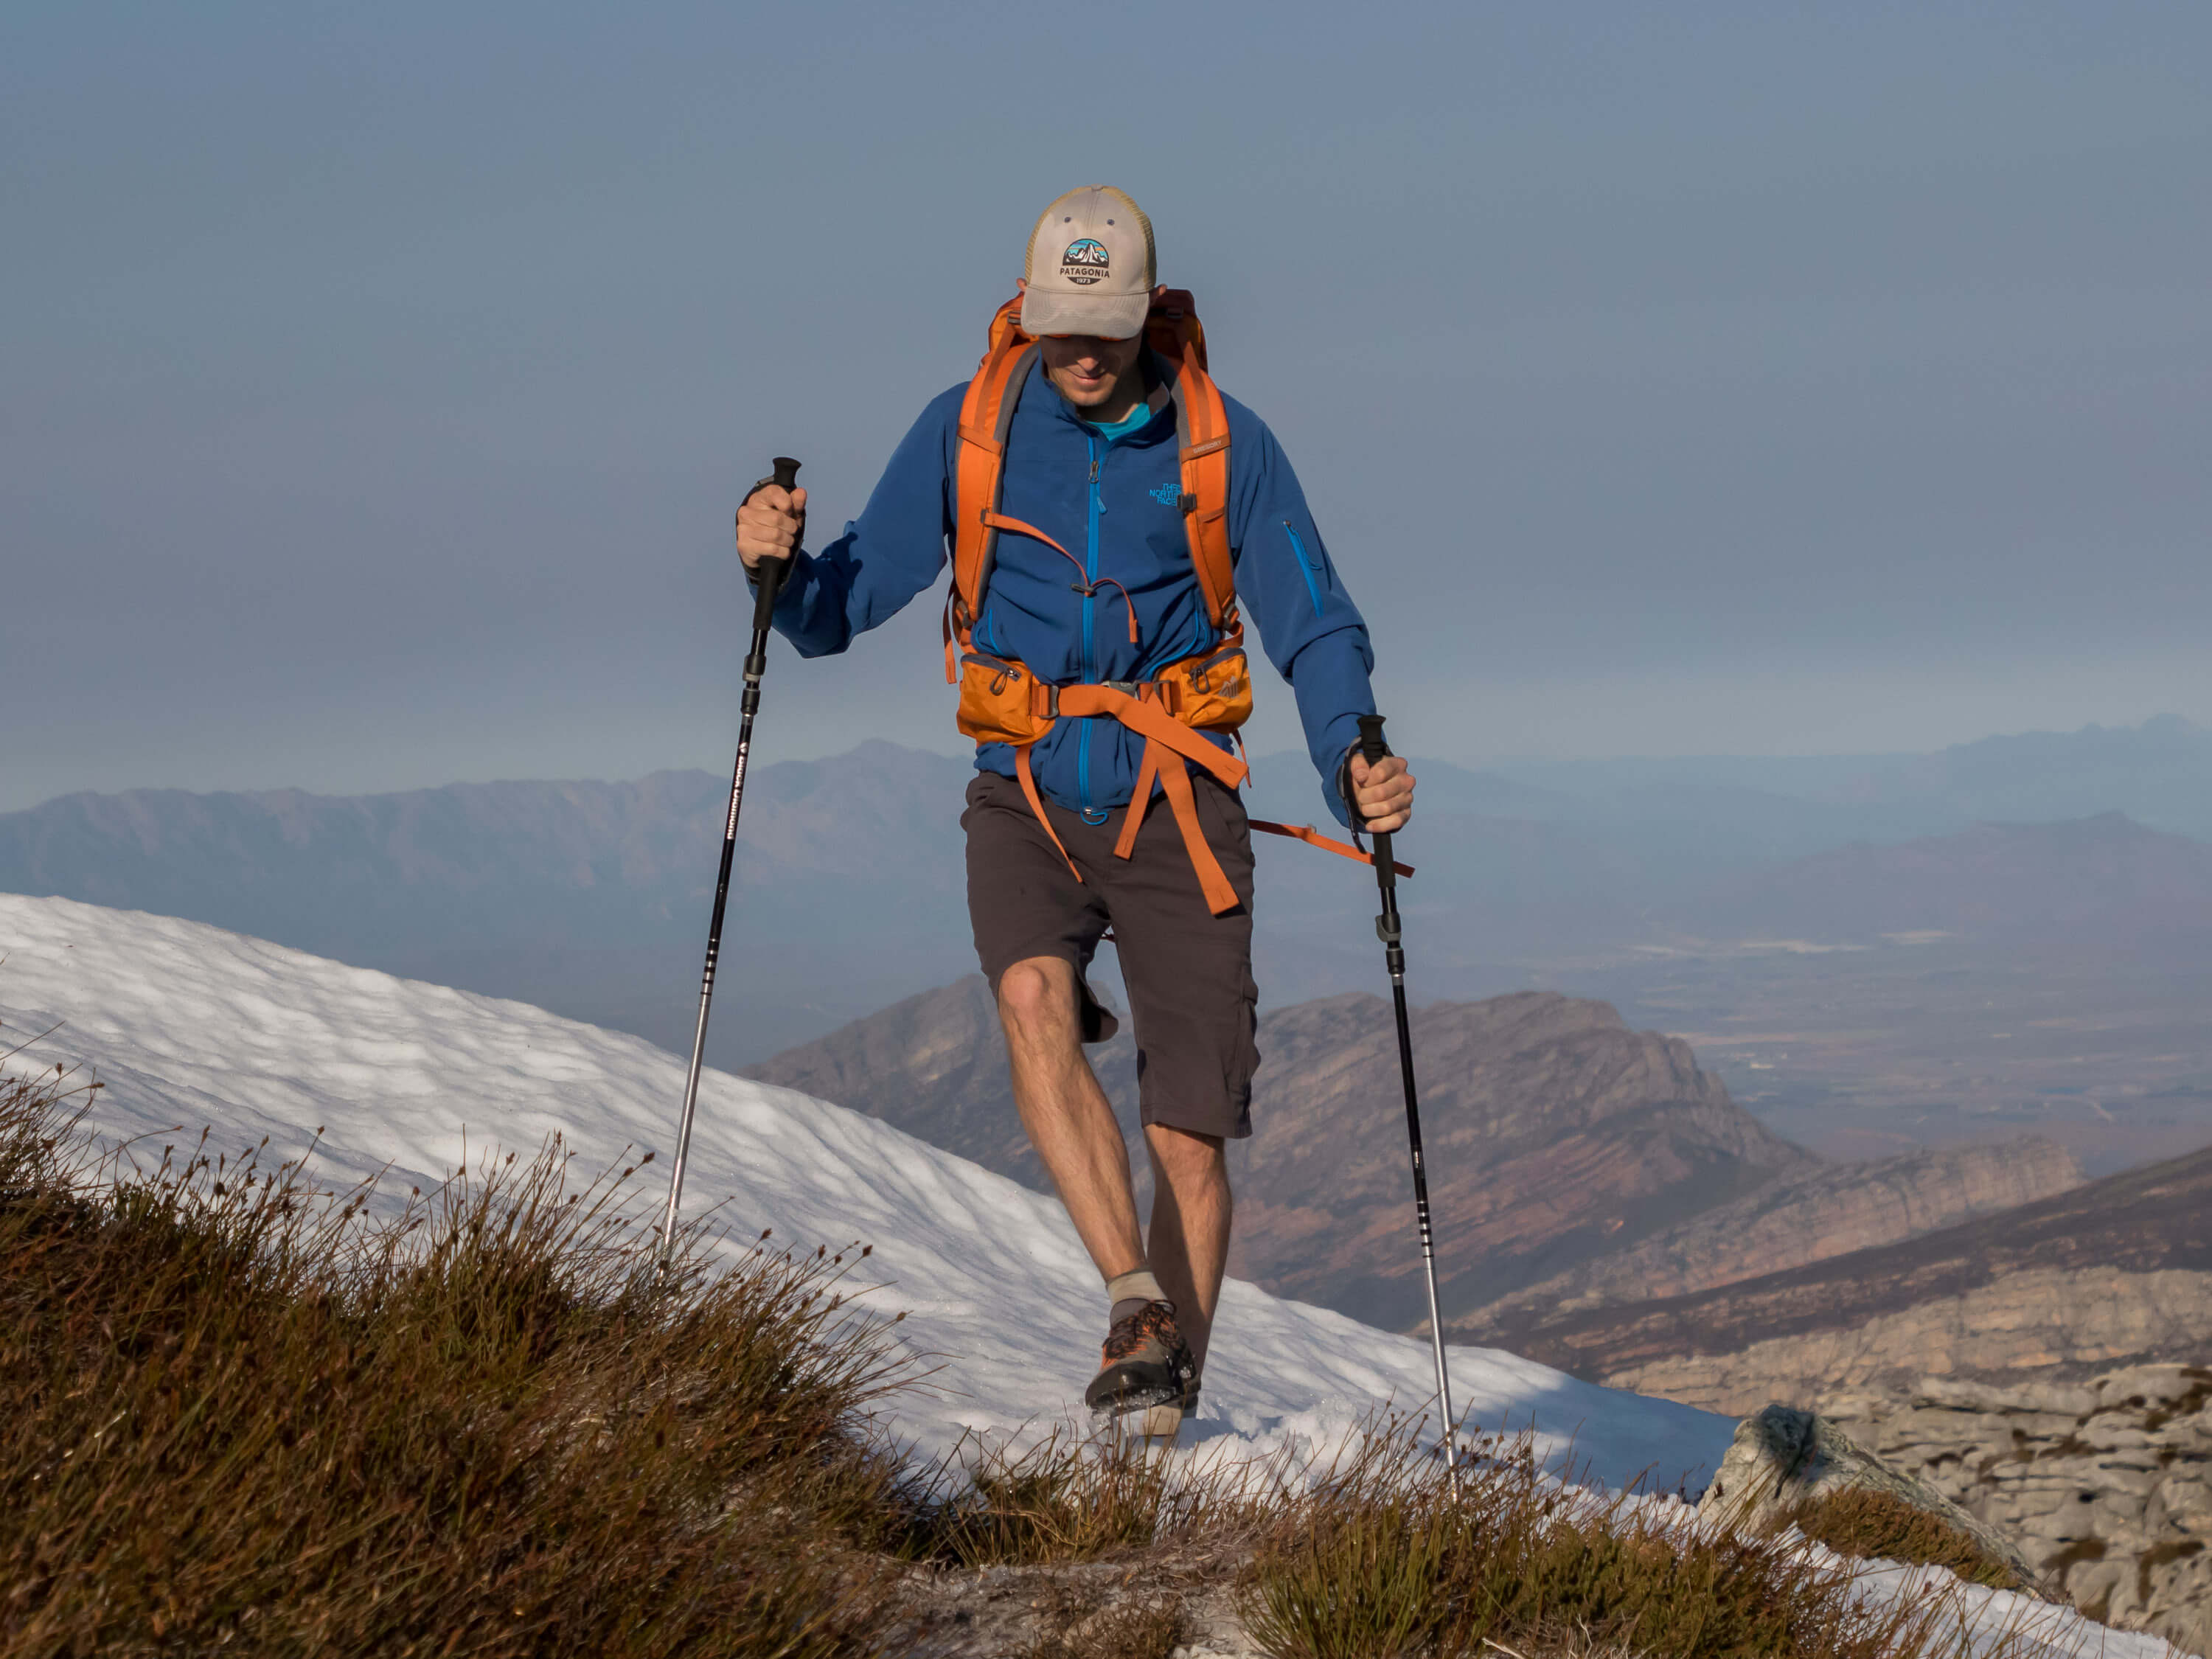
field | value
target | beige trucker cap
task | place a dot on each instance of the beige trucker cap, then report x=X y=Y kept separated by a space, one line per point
x=1090 y=267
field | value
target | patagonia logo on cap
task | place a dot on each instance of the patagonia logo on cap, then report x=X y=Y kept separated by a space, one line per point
x=1085 y=261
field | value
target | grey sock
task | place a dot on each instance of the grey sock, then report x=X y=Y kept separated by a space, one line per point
x=1129 y=1291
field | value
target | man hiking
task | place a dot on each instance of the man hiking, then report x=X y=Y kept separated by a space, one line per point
x=1110 y=515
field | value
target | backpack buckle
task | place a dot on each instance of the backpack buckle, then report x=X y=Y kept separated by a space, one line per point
x=1188 y=502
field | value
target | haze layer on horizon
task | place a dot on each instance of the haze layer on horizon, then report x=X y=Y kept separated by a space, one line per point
x=1742 y=379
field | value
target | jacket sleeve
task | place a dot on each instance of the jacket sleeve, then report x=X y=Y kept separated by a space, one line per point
x=889 y=554
x=1307 y=625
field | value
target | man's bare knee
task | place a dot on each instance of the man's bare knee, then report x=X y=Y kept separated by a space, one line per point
x=1037 y=994
x=1182 y=1155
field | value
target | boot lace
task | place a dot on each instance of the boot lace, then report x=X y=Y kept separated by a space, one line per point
x=1154 y=1322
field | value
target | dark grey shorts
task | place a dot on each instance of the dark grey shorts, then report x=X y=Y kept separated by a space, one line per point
x=1188 y=972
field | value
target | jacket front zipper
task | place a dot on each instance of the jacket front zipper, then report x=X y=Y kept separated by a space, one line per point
x=1089 y=646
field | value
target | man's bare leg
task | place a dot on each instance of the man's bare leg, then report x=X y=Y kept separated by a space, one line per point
x=1065 y=1111
x=1189 y=1241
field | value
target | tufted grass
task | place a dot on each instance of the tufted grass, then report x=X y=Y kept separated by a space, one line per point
x=1393 y=1557
x=237 y=1415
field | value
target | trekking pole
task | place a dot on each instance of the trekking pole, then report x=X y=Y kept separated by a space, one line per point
x=769 y=579
x=1372 y=748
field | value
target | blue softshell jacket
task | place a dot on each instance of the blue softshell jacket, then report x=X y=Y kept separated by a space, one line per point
x=1114 y=503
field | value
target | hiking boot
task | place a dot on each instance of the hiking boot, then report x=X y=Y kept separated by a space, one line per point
x=1146 y=1366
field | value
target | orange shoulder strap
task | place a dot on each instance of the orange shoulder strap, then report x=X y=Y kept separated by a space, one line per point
x=985 y=414
x=1175 y=333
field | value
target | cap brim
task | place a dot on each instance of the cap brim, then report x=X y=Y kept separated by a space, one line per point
x=1107 y=316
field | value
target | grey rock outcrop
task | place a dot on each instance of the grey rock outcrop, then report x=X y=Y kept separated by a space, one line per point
x=1782 y=1457
x=2107 y=1482
x=2071 y=1320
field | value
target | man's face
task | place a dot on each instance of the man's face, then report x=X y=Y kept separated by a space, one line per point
x=1087 y=370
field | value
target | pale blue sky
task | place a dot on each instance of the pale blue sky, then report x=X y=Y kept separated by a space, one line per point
x=376 y=383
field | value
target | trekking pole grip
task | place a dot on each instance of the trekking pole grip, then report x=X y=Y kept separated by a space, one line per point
x=767 y=576
x=1372 y=747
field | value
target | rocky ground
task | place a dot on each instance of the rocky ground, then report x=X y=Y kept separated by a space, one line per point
x=2106 y=1483
x=1147 y=1608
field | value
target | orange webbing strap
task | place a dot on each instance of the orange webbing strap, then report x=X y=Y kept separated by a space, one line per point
x=1313 y=837
x=985 y=411
x=997 y=521
x=1147 y=719
x=1161 y=731
x=1036 y=803
x=1204 y=458
x=1133 y=815
x=1202 y=426
x=1087 y=587
x=1220 y=897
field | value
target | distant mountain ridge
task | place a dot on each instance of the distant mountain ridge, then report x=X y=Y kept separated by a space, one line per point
x=2158 y=772
x=2106 y=874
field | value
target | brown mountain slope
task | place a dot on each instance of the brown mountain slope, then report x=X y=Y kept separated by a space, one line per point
x=1553 y=1132
x=1828 y=1210
x=2000 y=1293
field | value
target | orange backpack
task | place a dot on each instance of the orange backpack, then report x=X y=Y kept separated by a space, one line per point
x=1002 y=702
